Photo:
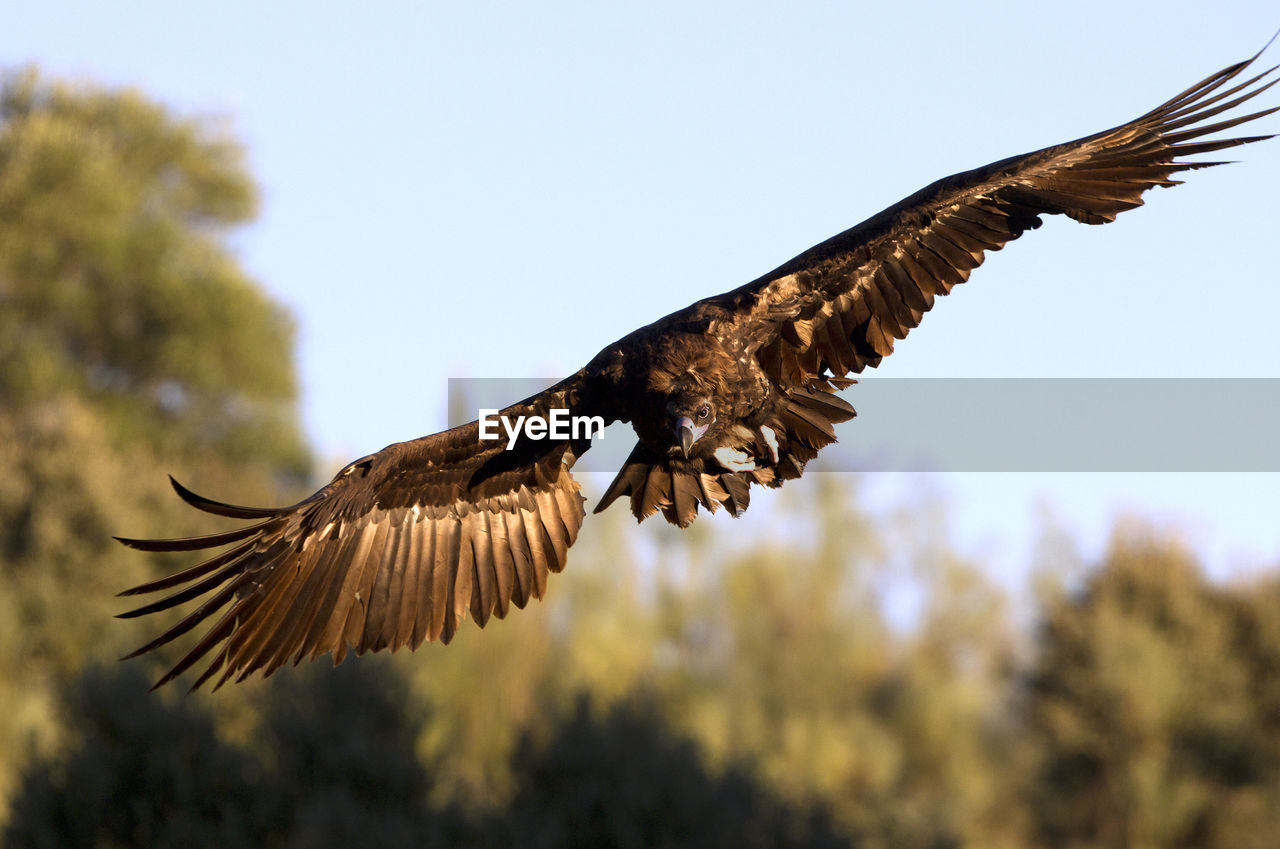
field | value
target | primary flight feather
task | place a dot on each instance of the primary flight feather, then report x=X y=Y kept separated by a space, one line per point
x=734 y=390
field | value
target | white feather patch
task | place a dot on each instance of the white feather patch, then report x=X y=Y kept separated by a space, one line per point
x=733 y=459
x=324 y=533
x=771 y=439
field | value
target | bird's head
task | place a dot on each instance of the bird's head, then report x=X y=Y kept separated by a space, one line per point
x=691 y=415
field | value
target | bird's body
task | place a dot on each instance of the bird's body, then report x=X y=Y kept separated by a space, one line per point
x=733 y=391
x=661 y=369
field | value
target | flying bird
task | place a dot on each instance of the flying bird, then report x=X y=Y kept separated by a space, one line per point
x=736 y=390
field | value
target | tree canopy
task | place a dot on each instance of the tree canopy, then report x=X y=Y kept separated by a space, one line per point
x=132 y=344
x=117 y=281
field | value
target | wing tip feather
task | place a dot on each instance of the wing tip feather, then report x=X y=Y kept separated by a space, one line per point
x=221 y=508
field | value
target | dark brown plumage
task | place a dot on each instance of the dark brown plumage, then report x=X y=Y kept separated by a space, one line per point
x=734 y=390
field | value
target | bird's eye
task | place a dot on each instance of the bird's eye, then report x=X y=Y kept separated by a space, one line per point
x=704 y=411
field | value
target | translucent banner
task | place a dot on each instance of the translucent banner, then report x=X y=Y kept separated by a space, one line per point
x=1006 y=424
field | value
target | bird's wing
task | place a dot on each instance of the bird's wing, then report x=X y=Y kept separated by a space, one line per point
x=838 y=307
x=393 y=551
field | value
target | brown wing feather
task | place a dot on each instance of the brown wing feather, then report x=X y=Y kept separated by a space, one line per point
x=839 y=306
x=396 y=550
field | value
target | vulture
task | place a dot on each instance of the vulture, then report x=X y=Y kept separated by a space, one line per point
x=736 y=390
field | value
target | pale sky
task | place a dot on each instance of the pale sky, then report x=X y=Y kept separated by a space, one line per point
x=499 y=190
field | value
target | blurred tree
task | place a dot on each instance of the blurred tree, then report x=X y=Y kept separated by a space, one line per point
x=1153 y=708
x=140 y=771
x=783 y=656
x=333 y=763
x=116 y=282
x=343 y=761
x=775 y=652
x=626 y=780
x=596 y=630
x=131 y=345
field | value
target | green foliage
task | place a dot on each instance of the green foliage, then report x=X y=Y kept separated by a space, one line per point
x=1152 y=706
x=144 y=771
x=624 y=779
x=116 y=283
x=333 y=764
x=775 y=654
x=131 y=345
x=797 y=669
x=344 y=769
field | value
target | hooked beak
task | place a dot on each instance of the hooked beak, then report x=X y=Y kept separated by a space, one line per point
x=688 y=433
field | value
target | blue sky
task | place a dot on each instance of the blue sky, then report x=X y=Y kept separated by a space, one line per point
x=494 y=190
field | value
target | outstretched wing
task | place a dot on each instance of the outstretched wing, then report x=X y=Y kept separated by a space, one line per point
x=839 y=306
x=393 y=551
